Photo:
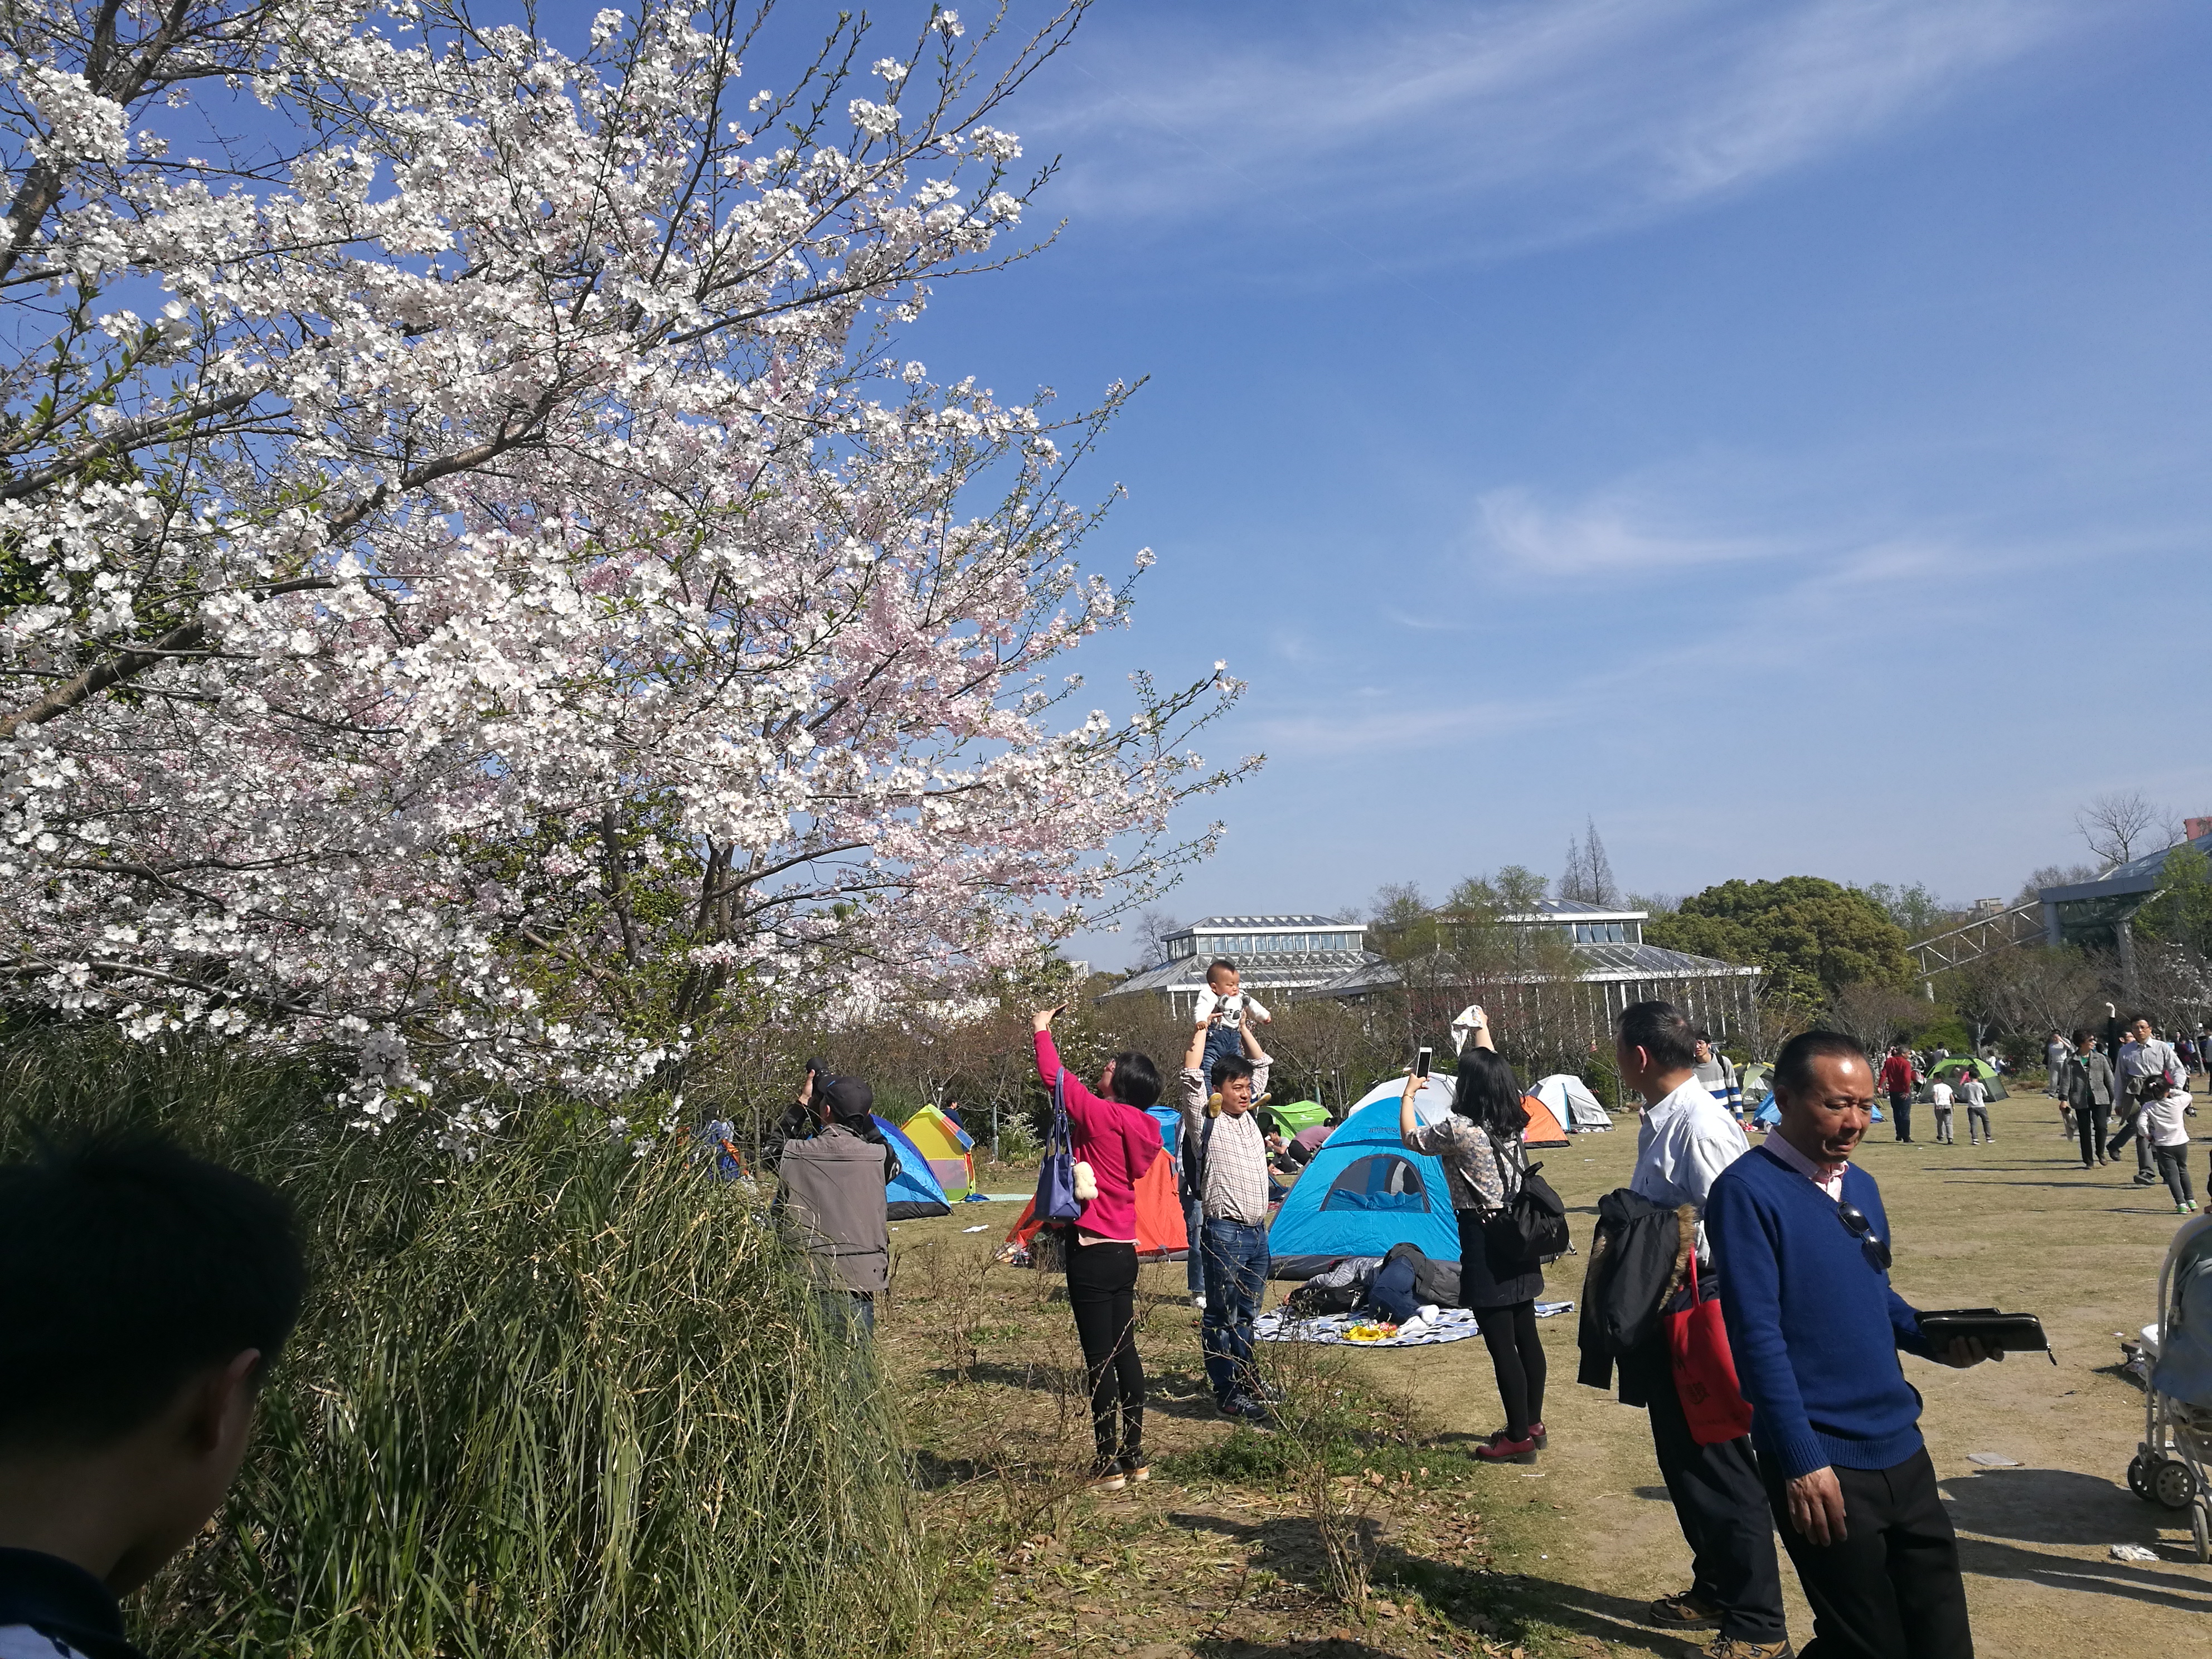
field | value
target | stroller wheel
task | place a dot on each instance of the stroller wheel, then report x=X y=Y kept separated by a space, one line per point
x=2139 y=1471
x=2200 y=1525
x=2173 y=1485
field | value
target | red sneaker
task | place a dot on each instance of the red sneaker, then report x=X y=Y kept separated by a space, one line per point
x=1502 y=1450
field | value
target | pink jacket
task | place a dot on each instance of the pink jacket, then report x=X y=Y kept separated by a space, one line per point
x=1118 y=1142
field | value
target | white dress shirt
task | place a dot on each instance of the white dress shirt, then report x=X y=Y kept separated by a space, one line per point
x=1686 y=1140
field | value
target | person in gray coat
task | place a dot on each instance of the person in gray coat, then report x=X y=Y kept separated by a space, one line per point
x=832 y=1200
x=2085 y=1084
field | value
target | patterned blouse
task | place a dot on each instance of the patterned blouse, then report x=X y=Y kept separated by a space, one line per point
x=1469 y=1158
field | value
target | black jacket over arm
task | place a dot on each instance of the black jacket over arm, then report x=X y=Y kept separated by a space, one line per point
x=1635 y=1254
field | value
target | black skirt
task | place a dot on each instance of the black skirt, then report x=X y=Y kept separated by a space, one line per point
x=1478 y=1288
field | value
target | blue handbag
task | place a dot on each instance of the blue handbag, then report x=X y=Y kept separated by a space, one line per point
x=1055 y=1188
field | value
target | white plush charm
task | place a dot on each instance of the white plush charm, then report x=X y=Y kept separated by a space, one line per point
x=1086 y=1184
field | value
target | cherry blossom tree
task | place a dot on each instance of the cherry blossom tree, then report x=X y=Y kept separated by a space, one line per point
x=479 y=587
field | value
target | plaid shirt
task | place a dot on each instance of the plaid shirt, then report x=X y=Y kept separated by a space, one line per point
x=1236 y=1170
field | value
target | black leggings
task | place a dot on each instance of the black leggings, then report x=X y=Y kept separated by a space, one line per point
x=2173 y=1164
x=1102 y=1288
x=1516 y=1353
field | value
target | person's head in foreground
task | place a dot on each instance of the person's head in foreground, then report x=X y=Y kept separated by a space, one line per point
x=1824 y=1088
x=143 y=1296
x=2083 y=1042
x=1222 y=978
x=1654 y=1048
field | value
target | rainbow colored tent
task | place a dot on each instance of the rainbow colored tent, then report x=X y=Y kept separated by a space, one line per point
x=950 y=1153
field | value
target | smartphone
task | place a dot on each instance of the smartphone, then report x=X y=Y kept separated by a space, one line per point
x=1421 y=1062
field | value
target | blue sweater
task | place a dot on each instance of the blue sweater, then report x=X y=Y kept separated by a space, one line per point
x=1812 y=1322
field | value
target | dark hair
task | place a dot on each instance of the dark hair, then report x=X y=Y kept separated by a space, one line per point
x=2154 y=1088
x=1227 y=1066
x=1660 y=1030
x=2141 y=1018
x=1488 y=1093
x=126 y=1265
x=1136 y=1079
x=1704 y=1035
x=1216 y=966
x=2082 y=1039
x=1793 y=1066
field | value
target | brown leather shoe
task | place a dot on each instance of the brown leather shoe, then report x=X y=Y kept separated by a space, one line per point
x=1735 y=1647
x=1689 y=1611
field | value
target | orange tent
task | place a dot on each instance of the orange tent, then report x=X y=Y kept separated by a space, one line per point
x=1159 y=1214
x=1543 y=1128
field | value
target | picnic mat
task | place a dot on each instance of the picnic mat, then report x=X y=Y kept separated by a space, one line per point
x=1335 y=1330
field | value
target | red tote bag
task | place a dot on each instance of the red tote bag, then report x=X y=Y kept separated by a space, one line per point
x=1705 y=1369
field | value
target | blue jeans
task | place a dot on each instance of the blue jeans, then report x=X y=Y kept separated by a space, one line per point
x=848 y=1313
x=1194 y=1230
x=1222 y=1040
x=1235 y=1281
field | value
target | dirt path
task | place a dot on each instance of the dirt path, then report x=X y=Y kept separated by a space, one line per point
x=2017 y=1224
x=1222 y=1555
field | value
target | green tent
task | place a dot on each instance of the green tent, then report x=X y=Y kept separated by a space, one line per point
x=1295 y=1115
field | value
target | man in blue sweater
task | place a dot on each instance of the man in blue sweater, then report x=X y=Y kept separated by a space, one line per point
x=1816 y=1330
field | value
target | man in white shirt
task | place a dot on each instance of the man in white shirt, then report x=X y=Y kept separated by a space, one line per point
x=2141 y=1058
x=1687 y=1139
x=1939 y=1098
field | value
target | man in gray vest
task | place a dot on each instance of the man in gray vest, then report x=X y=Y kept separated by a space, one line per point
x=832 y=1200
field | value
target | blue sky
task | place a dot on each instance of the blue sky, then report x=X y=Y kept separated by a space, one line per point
x=1774 y=429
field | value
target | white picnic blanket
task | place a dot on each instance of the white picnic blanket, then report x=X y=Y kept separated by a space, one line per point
x=1450 y=1325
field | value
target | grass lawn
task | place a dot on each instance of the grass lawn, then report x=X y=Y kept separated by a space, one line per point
x=1367 y=1527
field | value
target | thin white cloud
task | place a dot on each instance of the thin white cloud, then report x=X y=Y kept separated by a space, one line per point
x=1508 y=125
x=1608 y=534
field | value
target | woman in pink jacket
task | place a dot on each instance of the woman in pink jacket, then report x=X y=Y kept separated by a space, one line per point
x=1119 y=1140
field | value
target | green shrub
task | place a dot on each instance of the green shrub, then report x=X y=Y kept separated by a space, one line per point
x=555 y=1399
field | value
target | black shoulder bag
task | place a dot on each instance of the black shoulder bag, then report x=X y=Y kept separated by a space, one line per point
x=1530 y=1229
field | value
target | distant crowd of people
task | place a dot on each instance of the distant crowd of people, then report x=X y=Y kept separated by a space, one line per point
x=2129 y=1084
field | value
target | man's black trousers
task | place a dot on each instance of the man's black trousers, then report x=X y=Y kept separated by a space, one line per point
x=1722 y=1508
x=1891 y=1589
x=1900 y=1114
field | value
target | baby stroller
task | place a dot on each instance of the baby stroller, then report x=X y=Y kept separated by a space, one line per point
x=2173 y=1464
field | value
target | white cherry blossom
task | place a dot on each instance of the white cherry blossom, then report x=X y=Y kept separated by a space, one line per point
x=507 y=611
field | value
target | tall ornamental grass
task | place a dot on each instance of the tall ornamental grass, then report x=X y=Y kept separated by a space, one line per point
x=555 y=1399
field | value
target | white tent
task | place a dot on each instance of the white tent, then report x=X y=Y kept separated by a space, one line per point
x=1572 y=1103
x=1431 y=1106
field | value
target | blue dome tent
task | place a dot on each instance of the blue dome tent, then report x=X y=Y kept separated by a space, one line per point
x=1363 y=1192
x=913 y=1192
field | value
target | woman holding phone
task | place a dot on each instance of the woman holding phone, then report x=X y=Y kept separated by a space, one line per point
x=1479 y=1147
x=1117 y=1139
